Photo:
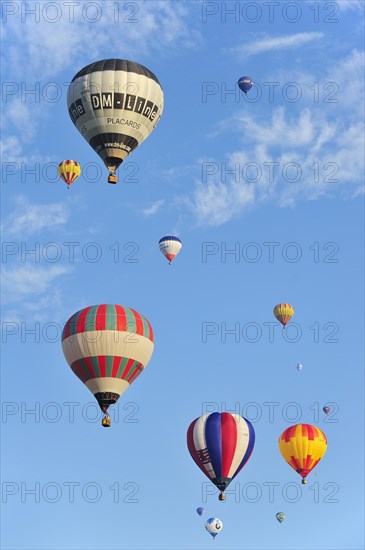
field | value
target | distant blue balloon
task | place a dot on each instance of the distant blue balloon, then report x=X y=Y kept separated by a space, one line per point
x=200 y=511
x=245 y=84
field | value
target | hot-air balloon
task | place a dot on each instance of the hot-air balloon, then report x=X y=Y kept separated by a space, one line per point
x=170 y=247
x=245 y=84
x=107 y=346
x=299 y=366
x=327 y=409
x=69 y=171
x=214 y=526
x=200 y=511
x=283 y=313
x=303 y=446
x=280 y=516
x=115 y=104
x=221 y=444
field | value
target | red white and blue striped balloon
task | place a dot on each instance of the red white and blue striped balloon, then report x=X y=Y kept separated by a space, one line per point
x=170 y=247
x=221 y=444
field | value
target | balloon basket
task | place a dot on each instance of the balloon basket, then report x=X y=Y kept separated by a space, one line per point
x=106 y=421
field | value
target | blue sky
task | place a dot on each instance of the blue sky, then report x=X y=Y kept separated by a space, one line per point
x=278 y=178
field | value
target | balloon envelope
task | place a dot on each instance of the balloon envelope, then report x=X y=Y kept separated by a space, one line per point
x=327 y=410
x=283 y=313
x=245 y=84
x=200 y=511
x=115 y=104
x=170 y=247
x=69 y=171
x=280 y=516
x=299 y=366
x=302 y=446
x=214 y=526
x=221 y=444
x=107 y=346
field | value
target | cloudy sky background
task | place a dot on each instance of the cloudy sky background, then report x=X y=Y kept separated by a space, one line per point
x=284 y=165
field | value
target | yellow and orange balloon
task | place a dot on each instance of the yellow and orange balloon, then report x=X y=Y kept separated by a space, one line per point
x=69 y=171
x=283 y=313
x=303 y=446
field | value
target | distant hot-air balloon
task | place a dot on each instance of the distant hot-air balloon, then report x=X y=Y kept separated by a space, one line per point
x=299 y=366
x=280 y=516
x=170 y=247
x=200 y=511
x=115 y=104
x=221 y=444
x=245 y=84
x=327 y=410
x=303 y=446
x=69 y=171
x=214 y=526
x=107 y=346
x=283 y=313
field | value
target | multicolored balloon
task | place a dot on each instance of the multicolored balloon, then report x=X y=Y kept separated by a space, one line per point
x=299 y=366
x=245 y=84
x=170 y=247
x=327 y=409
x=200 y=511
x=283 y=313
x=214 y=526
x=107 y=346
x=69 y=171
x=303 y=446
x=280 y=516
x=221 y=444
x=115 y=104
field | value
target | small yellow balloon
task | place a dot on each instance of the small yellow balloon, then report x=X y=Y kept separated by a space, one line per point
x=69 y=171
x=283 y=313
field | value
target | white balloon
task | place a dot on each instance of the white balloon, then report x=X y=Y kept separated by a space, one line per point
x=214 y=526
x=115 y=104
x=170 y=247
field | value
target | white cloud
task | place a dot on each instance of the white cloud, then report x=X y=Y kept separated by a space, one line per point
x=338 y=89
x=28 y=280
x=10 y=149
x=349 y=75
x=269 y=44
x=29 y=218
x=154 y=208
x=49 y=306
x=324 y=156
x=95 y=229
x=32 y=292
x=21 y=118
x=178 y=172
x=215 y=203
x=351 y=5
x=326 y=141
x=296 y=131
x=338 y=168
x=43 y=49
x=47 y=48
